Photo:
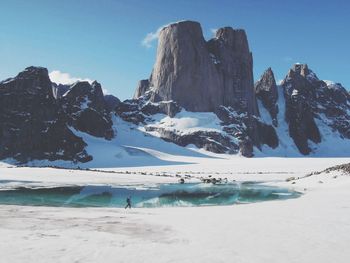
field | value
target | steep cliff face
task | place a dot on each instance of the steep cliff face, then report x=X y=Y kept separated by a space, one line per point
x=200 y=75
x=184 y=71
x=266 y=92
x=230 y=53
x=300 y=87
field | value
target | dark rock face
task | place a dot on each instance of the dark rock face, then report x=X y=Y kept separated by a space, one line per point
x=333 y=104
x=309 y=99
x=248 y=131
x=139 y=110
x=183 y=71
x=59 y=89
x=266 y=92
x=111 y=102
x=210 y=141
x=200 y=75
x=31 y=126
x=86 y=110
x=141 y=89
x=230 y=53
x=300 y=86
x=267 y=134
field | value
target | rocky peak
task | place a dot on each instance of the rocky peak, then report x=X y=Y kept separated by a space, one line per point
x=235 y=39
x=85 y=108
x=234 y=63
x=200 y=75
x=30 y=124
x=141 y=89
x=266 y=92
x=183 y=71
x=111 y=102
x=302 y=78
x=38 y=73
x=301 y=69
x=33 y=81
x=300 y=87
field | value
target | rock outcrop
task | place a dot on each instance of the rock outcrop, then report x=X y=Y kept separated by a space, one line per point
x=59 y=89
x=142 y=87
x=140 y=110
x=266 y=92
x=31 y=126
x=300 y=87
x=230 y=53
x=332 y=106
x=211 y=141
x=111 y=102
x=85 y=108
x=200 y=75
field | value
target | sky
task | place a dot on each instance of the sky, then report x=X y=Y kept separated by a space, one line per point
x=115 y=42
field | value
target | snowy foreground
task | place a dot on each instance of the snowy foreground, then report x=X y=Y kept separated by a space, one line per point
x=312 y=228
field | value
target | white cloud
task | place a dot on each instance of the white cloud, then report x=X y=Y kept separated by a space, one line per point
x=213 y=31
x=65 y=78
x=151 y=37
x=105 y=91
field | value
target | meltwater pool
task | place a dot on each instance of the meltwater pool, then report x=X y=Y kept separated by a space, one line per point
x=163 y=195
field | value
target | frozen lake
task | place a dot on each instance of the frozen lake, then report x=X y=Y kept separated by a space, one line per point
x=161 y=195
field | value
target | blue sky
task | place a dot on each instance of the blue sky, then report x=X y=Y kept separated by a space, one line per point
x=102 y=39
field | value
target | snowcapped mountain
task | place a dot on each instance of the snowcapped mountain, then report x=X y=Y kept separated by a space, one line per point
x=200 y=95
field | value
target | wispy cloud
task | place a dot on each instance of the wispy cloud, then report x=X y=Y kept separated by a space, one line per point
x=151 y=37
x=65 y=78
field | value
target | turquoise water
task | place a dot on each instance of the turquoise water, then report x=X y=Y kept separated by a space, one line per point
x=165 y=195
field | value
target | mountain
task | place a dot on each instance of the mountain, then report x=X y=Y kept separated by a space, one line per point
x=202 y=75
x=216 y=76
x=200 y=95
x=209 y=76
x=308 y=99
x=266 y=91
x=36 y=124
